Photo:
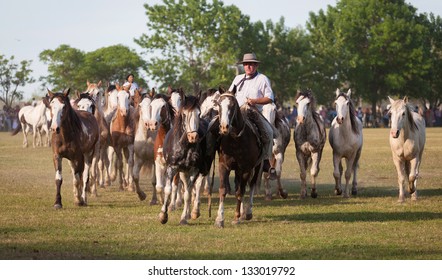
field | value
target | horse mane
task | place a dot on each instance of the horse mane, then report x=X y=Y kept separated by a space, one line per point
x=190 y=103
x=169 y=107
x=352 y=112
x=409 y=110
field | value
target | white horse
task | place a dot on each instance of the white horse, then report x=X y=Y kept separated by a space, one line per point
x=280 y=144
x=345 y=138
x=33 y=118
x=407 y=142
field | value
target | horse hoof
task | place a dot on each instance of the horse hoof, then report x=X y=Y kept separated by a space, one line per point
x=171 y=208
x=57 y=206
x=338 y=191
x=219 y=224
x=235 y=222
x=195 y=215
x=314 y=194
x=284 y=194
x=153 y=202
x=163 y=217
x=354 y=192
x=184 y=223
x=411 y=190
x=142 y=196
x=249 y=216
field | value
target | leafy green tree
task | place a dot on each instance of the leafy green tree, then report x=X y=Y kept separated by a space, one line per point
x=377 y=47
x=70 y=67
x=193 y=44
x=12 y=77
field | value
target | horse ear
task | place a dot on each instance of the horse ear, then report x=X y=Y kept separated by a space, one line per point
x=221 y=90
x=337 y=92
x=169 y=90
x=234 y=89
x=199 y=94
x=87 y=82
x=66 y=92
x=99 y=84
x=406 y=99
x=349 y=93
x=152 y=92
x=50 y=93
x=391 y=100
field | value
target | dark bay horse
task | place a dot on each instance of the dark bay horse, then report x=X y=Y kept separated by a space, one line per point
x=74 y=137
x=185 y=152
x=240 y=150
x=310 y=137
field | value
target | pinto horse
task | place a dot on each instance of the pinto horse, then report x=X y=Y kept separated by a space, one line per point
x=240 y=150
x=161 y=120
x=280 y=143
x=185 y=152
x=74 y=136
x=310 y=137
x=345 y=138
x=407 y=142
x=144 y=141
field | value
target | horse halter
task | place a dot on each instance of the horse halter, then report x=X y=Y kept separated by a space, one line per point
x=235 y=113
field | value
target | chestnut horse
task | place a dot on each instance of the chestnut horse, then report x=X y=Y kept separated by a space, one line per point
x=407 y=142
x=310 y=137
x=74 y=136
x=240 y=150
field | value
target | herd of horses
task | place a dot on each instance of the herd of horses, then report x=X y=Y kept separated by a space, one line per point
x=176 y=137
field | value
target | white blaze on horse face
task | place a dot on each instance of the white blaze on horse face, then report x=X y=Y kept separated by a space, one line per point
x=191 y=122
x=85 y=105
x=269 y=112
x=302 y=108
x=398 y=114
x=224 y=119
x=155 y=114
x=57 y=111
x=342 y=109
x=113 y=99
x=145 y=110
x=176 y=101
x=123 y=102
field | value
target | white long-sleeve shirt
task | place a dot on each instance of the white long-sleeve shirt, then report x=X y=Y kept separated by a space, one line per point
x=257 y=87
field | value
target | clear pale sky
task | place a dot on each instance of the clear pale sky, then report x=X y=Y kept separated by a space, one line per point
x=27 y=27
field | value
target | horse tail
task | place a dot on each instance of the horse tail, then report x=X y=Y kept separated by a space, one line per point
x=18 y=128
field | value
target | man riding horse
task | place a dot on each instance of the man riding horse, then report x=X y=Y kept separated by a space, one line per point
x=253 y=88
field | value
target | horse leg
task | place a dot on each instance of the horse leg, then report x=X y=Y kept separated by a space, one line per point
x=196 y=200
x=348 y=172
x=58 y=181
x=337 y=172
x=400 y=168
x=170 y=173
x=136 y=177
x=412 y=178
x=92 y=181
x=77 y=174
x=153 y=180
x=24 y=128
x=239 y=194
x=187 y=184
x=223 y=177
x=113 y=166
x=119 y=165
x=279 y=159
x=175 y=190
x=130 y=167
x=354 y=188
x=88 y=182
x=160 y=170
x=302 y=173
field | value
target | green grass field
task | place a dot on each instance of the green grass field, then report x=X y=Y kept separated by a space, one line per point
x=116 y=225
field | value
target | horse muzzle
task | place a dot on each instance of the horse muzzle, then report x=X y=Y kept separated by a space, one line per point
x=192 y=137
x=340 y=120
x=394 y=133
x=300 y=119
x=224 y=129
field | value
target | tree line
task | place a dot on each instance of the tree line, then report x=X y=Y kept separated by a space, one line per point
x=376 y=47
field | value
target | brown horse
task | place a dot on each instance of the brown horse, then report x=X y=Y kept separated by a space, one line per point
x=240 y=150
x=74 y=136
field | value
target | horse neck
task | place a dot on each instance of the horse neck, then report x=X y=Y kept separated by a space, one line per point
x=70 y=125
x=120 y=121
x=140 y=128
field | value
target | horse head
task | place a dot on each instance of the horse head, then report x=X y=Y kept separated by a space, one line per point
x=85 y=102
x=228 y=110
x=58 y=103
x=123 y=102
x=208 y=103
x=189 y=116
x=401 y=114
x=161 y=111
x=342 y=103
x=177 y=97
x=304 y=100
x=111 y=97
x=144 y=107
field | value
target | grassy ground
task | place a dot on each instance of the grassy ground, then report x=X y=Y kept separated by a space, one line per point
x=116 y=225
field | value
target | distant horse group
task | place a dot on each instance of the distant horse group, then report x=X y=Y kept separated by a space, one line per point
x=177 y=136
